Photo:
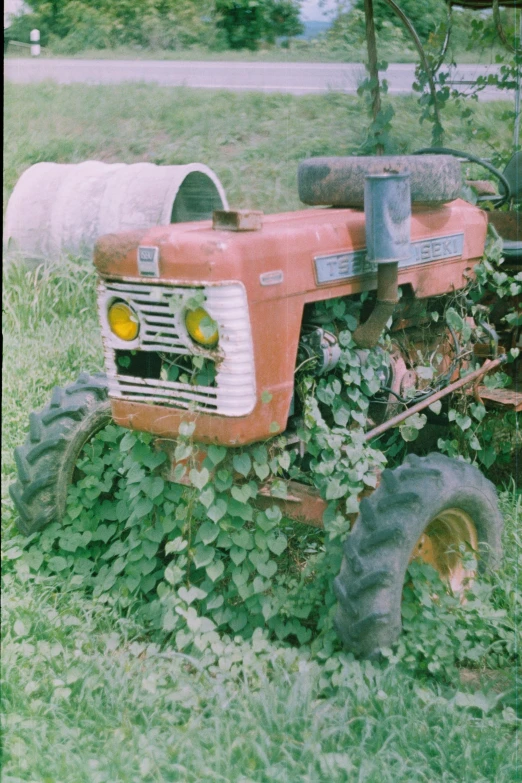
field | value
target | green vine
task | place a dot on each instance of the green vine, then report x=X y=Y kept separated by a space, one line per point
x=197 y=558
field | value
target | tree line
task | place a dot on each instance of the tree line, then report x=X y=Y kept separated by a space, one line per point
x=73 y=25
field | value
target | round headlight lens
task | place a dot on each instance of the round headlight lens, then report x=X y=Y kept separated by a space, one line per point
x=123 y=321
x=202 y=328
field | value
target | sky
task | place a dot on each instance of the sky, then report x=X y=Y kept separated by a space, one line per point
x=311 y=11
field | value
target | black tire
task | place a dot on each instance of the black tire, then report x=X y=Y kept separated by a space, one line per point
x=411 y=501
x=339 y=182
x=57 y=434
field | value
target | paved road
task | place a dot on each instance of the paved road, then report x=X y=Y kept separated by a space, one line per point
x=295 y=78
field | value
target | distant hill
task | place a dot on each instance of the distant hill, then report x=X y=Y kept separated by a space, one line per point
x=313 y=29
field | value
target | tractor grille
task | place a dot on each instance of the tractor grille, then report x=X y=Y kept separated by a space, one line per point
x=233 y=392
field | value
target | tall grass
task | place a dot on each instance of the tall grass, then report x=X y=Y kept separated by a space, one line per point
x=253 y=141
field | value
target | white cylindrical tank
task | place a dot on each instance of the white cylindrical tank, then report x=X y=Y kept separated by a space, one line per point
x=58 y=208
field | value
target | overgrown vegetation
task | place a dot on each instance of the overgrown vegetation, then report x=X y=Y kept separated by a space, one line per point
x=200 y=29
x=116 y=665
x=69 y=26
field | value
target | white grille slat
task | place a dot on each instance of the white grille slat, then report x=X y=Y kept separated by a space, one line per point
x=161 y=339
x=164 y=393
x=159 y=320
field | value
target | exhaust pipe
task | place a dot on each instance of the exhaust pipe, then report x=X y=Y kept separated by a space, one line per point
x=387 y=208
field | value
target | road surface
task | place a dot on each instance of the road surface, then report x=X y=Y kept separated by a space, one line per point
x=295 y=78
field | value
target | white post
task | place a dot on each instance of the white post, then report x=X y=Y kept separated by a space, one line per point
x=35 y=43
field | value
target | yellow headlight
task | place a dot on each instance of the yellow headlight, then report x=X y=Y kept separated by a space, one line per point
x=202 y=328
x=123 y=321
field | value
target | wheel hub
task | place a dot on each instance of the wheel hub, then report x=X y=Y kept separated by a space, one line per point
x=441 y=544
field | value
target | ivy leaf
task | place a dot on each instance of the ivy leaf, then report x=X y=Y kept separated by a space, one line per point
x=487 y=456
x=241 y=493
x=203 y=555
x=277 y=543
x=284 y=460
x=149 y=548
x=173 y=574
x=240 y=510
x=208 y=532
x=57 y=563
x=143 y=507
x=198 y=478
x=193 y=594
x=186 y=429
x=267 y=569
x=104 y=532
x=243 y=539
x=215 y=602
x=335 y=490
x=154 y=533
x=409 y=429
x=360 y=418
x=477 y=411
x=155 y=487
x=242 y=464
x=215 y=570
x=274 y=513
x=237 y=555
x=207 y=496
x=464 y=422
x=261 y=471
x=216 y=454
x=475 y=443
x=260 y=454
x=176 y=545
x=170 y=621
x=70 y=541
x=258 y=558
x=33 y=558
x=408 y=433
x=128 y=441
x=218 y=510
x=454 y=320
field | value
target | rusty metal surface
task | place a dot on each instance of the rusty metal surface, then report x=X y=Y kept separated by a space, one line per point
x=483 y=187
x=367 y=334
x=508 y=224
x=195 y=255
x=237 y=219
x=487 y=367
x=304 y=504
x=509 y=399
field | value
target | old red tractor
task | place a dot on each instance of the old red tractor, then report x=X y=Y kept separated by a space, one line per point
x=239 y=294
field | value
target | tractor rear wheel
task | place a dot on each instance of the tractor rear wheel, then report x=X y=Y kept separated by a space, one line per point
x=57 y=434
x=432 y=508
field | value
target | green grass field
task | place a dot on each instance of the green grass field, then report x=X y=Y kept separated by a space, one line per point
x=89 y=696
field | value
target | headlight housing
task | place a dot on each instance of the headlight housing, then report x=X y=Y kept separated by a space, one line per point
x=202 y=328
x=123 y=321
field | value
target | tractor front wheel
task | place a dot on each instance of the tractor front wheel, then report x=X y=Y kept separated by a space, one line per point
x=57 y=434
x=432 y=508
